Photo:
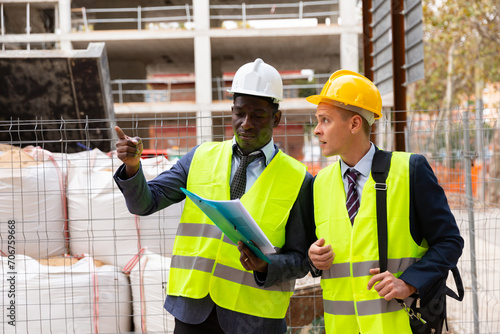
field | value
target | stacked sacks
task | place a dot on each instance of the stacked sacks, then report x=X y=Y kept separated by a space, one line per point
x=42 y=192
x=99 y=221
x=157 y=231
x=66 y=296
x=32 y=195
x=149 y=279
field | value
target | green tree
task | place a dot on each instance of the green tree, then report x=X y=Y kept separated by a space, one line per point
x=461 y=45
x=466 y=33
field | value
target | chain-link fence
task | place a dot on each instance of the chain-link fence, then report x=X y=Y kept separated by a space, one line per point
x=75 y=261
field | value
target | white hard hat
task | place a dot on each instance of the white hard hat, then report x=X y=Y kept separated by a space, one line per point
x=259 y=79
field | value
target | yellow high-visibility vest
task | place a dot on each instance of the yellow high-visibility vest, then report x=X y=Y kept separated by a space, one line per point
x=349 y=306
x=205 y=261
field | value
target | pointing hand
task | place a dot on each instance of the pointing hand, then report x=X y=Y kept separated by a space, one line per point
x=129 y=151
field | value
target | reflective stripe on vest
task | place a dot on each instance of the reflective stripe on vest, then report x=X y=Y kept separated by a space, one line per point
x=338 y=270
x=247 y=278
x=205 y=260
x=199 y=230
x=349 y=306
x=367 y=307
x=207 y=231
x=192 y=263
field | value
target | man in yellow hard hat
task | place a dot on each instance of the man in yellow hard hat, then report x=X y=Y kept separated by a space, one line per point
x=214 y=285
x=423 y=239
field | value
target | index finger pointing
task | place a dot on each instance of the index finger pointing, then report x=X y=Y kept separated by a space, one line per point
x=120 y=133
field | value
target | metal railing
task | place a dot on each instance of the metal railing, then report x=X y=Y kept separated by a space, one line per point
x=128 y=90
x=169 y=17
x=181 y=17
x=27 y=29
x=87 y=19
x=299 y=10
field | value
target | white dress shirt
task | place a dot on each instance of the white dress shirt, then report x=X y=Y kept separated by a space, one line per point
x=364 y=167
x=256 y=167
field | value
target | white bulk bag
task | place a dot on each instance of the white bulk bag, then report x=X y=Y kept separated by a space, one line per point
x=78 y=298
x=99 y=221
x=157 y=231
x=32 y=196
x=148 y=279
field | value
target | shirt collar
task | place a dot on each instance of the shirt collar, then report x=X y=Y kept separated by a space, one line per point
x=267 y=149
x=364 y=165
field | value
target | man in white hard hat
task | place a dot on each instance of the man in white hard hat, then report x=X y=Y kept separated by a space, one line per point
x=216 y=286
x=423 y=240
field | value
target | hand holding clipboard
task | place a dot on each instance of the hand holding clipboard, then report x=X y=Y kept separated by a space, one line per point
x=236 y=223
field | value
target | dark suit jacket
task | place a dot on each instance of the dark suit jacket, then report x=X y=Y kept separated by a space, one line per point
x=146 y=198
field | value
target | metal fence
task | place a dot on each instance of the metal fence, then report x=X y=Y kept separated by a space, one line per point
x=71 y=162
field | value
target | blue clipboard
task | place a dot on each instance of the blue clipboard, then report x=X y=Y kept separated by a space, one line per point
x=235 y=222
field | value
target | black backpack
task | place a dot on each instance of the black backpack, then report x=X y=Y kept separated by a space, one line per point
x=427 y=315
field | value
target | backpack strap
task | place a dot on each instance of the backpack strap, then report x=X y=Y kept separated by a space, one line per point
x=458 y=283
x=380 y=169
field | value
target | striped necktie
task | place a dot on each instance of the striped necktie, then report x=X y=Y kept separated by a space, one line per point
x=352 y=202
x=239 y=182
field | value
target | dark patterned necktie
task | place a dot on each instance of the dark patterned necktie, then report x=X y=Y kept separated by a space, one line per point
x=352 y=202
x=239 y=182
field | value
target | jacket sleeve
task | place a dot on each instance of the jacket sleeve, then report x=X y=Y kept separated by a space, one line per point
x=430 y=219
x=292 y=263
x=145 y=198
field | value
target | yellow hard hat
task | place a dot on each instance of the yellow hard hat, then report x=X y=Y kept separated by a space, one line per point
x=353 y=91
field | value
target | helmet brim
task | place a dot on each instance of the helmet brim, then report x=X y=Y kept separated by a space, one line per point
x=254 y=93
x=314 y=99
x=317 y=99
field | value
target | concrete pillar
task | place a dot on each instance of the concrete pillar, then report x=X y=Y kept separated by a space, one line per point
x=217 y=73
x=64 y=28
x=217 y=95
x=349 y=55
x=203 y=70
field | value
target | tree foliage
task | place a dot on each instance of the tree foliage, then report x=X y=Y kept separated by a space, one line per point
x=471 y=30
